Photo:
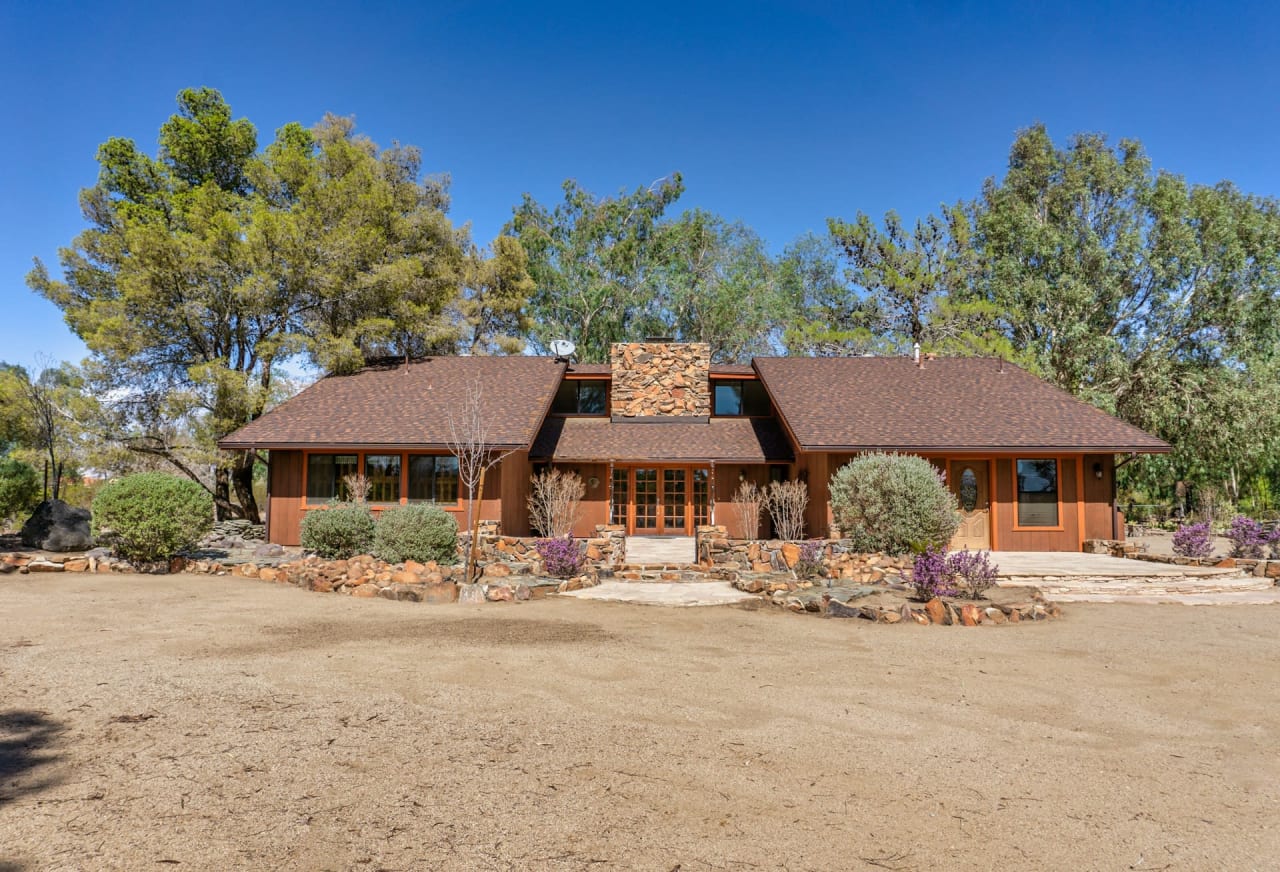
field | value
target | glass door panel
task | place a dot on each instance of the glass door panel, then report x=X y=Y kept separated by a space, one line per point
x=701 y=497
x=621 y=496
x=646 y=500
x=674 y=490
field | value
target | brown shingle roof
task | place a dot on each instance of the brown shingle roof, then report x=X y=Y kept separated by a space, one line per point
x=409 y=404
x=731 y=440
x=590 y=369
x=949 y=403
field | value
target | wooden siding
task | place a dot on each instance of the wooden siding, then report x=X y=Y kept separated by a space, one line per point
x=284 y=497
x=1098 y=496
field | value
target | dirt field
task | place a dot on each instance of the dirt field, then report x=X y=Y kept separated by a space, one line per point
x=195 y=723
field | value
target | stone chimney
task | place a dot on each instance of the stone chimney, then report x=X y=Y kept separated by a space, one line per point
x=661 y=380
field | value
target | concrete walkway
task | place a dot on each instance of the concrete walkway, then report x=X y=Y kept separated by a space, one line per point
x=1057 y=564
x=661 y=550
x=665 y=593
x=1072 y=577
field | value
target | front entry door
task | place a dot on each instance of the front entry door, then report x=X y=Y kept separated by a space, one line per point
x=969 y=482
x=667 y=500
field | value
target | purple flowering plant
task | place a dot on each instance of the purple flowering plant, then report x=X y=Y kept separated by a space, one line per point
x=932 y=575
x=561 y=556
x=1248 y=537
x=973 y=571
x=1193 y=540
x=809 y=564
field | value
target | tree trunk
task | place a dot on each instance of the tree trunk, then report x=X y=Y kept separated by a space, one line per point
x=222 y=492
x=242 y=480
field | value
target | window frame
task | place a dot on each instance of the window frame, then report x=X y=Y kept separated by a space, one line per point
x=1018 y=526
x=604 y=385
x=309 y=503
x=741 y=383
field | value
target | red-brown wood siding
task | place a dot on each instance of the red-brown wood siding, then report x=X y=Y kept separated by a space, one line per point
x=284 y=503
x=1010 y=539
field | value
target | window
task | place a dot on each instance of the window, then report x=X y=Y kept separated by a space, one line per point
x=325 y=474
x=433 y=478
x=1038 y=493
x=740 y=397
x=383 y=473
x=581 y=397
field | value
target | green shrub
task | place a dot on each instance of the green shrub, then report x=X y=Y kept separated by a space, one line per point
x=338 y=531
x=152 y=516
x=19 y=489
x=416 y=532
x=897 y=503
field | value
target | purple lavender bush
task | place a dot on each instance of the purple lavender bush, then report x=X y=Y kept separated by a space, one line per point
x=1193 y=540
x=932 y=575
x=561 y=556
x=973 y=571
x=1248 y=537
x=809 y=564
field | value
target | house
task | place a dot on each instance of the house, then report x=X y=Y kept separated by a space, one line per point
x=662 y=438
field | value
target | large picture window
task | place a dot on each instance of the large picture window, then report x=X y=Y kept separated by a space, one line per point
x=581 y=397
x=1038 y=493
x=740 y=397
x=325 y=474
x=433 y=478
x=383 y=473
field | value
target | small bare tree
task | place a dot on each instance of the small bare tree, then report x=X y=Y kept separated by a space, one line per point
x=470 y=427
x=748 y=503
x=786 y=502
x=555 y=502
x=357 y=487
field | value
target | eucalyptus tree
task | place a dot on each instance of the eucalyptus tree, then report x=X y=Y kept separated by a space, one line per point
x=592 y=260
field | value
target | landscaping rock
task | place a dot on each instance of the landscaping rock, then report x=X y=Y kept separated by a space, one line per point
x=471 y=594
x=56 y=526
x=440 y=592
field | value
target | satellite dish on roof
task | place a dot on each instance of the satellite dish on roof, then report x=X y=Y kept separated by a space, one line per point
x=562 y=348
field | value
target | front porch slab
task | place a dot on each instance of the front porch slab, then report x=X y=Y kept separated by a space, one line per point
x=663 y=593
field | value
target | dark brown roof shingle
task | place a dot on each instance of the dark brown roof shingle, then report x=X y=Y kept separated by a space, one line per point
x=728 y=440
x=409 y=405
x=948 y=403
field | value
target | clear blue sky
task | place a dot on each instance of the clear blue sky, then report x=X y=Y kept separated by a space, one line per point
x=778 y=114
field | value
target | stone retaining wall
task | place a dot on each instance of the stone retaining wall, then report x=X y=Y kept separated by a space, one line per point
x=839 y=560
x=1260 y=568
x=606 y=549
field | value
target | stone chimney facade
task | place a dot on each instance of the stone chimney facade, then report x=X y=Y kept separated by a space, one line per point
x=661 y=380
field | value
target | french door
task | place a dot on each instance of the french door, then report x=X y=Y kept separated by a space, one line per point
x=661 y=500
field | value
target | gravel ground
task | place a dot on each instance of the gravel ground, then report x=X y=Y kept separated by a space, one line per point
x=197 y=723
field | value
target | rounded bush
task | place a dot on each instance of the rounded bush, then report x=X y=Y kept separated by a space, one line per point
x=896 y=503
x=416 y=532
x=152 y=516
x=19 y=489
x=338 y=531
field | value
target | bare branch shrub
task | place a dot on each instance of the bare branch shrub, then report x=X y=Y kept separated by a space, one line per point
x=555 y=502
x=469 y=425
x=357 y=487
x=748 y=503
x=786 y=502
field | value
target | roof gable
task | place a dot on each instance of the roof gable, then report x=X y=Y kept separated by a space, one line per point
x=971 y=403
x=408 y=405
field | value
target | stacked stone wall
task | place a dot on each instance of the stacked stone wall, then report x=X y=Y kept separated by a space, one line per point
x=661 y=379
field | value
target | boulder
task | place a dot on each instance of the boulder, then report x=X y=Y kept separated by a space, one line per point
x=56 y=526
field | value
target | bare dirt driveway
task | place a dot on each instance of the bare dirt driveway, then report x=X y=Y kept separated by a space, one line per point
x=194 y=723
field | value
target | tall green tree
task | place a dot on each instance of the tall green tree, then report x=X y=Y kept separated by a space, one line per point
x=206 y=267
x=592 y=260
x=494 y=303
x=1141 y=293
x=713 y=282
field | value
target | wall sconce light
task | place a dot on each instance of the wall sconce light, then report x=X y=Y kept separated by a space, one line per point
x=1097 y=471
x=742 y=474
x=593 y=482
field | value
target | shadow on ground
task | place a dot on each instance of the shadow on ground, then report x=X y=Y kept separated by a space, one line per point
x=28 y=742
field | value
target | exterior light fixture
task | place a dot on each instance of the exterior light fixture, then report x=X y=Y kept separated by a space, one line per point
x=1097 y=471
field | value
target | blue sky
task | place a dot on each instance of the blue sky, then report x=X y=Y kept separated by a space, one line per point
x=778 y=114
